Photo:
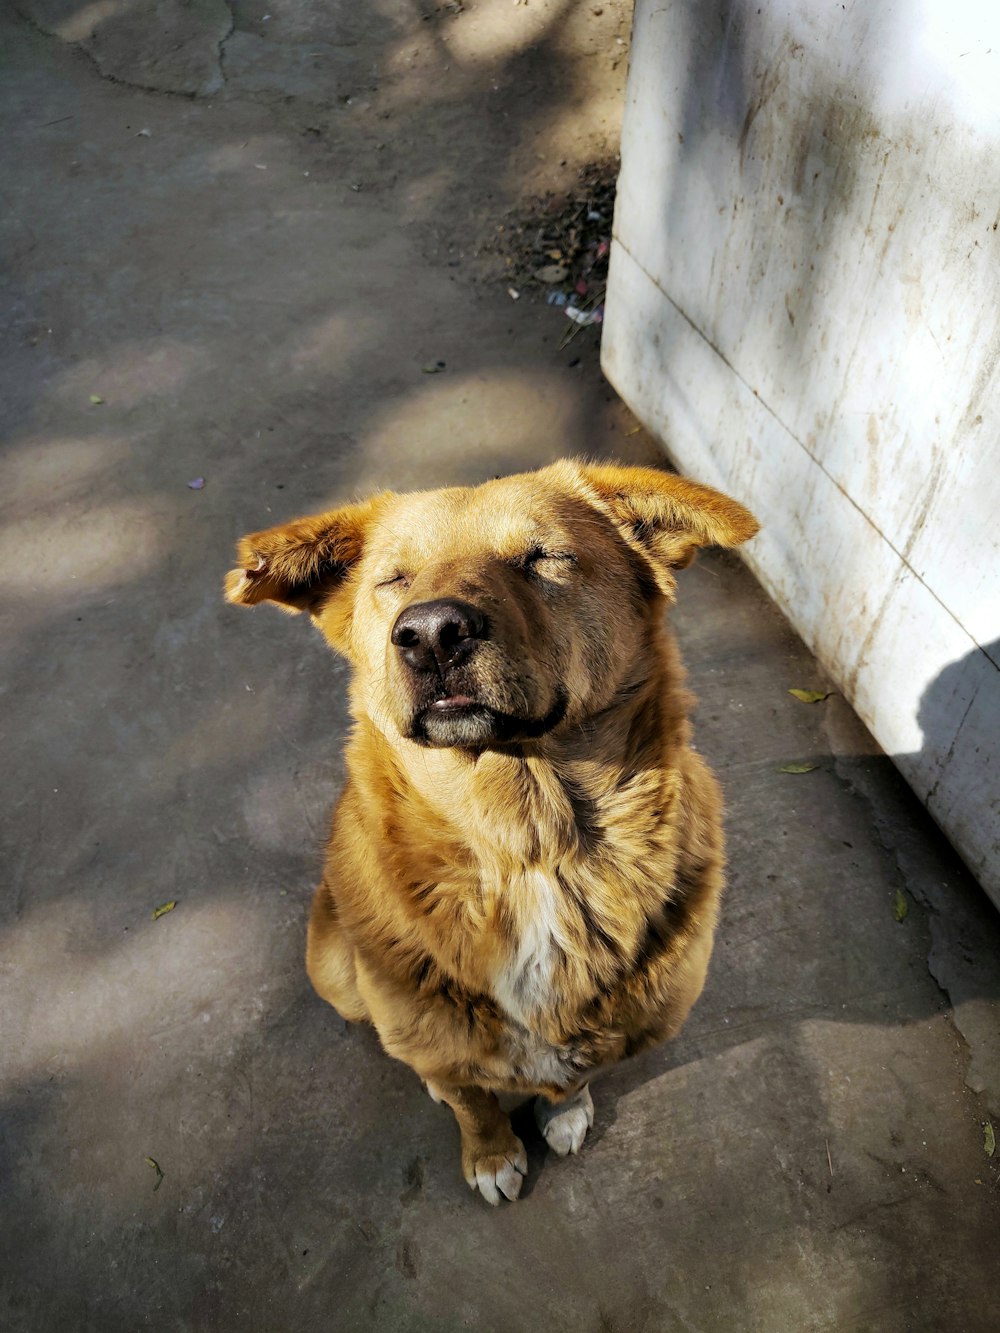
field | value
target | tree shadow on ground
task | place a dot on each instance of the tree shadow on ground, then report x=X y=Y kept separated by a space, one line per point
x=271 y=339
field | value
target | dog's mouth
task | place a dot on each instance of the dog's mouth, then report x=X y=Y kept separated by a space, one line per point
x=452 y=702
x=462 y=722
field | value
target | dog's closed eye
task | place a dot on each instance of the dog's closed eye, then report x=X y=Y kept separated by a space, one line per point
x=400 y=579
x=543 y=563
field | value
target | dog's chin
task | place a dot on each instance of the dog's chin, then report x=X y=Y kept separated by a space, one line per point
x=464 y=726
x=463 y=723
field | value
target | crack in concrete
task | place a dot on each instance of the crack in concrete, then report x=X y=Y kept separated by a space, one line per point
x=223 y=41
x=79 y=47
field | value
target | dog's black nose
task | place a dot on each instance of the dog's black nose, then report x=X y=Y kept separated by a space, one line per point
x=432 y=636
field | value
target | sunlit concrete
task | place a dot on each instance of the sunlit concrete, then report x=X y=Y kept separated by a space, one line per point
x=807 y=1156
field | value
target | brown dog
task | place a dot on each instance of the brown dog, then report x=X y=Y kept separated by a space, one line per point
x=526 y=861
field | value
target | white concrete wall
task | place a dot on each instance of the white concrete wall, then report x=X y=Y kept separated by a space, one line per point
x=804 y=303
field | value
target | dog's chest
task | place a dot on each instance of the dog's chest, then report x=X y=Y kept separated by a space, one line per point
x=524 y=984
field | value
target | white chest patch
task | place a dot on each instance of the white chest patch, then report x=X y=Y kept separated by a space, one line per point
x=524 y=984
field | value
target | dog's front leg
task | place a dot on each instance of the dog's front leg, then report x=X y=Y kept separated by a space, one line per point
x=493 y=1157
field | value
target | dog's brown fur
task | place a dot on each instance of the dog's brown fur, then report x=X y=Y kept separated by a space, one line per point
x=526 y=890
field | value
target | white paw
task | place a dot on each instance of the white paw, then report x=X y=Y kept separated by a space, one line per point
x=499 y=1174
x=565 y=1124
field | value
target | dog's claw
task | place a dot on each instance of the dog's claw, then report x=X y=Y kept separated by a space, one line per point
x=499 y=1175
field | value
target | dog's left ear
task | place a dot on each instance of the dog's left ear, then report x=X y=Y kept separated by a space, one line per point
x=302 y=565
x=666 y=516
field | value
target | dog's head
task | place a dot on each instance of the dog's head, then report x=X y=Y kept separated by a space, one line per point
x=491 y=615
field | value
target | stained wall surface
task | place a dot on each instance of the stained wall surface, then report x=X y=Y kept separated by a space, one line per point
x=804 y=306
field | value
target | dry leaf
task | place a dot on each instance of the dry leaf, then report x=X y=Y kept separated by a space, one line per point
x=798 y=768
x=164 y=908
x=900 y=906
x=810 y=696
x=159 y=1174
x=96 y=399
x=989 y=1139
x=552 y=274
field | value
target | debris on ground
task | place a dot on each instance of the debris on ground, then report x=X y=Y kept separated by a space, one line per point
x=197 y=484
x=560 y=242
x=434 y=367
x=989 y=1139
x=450 y=10
x=798 y=768
x=900 y=907
x=164 y=908
x=584 y=317
x=810 y=696
x=552 y=274
x=96 y=399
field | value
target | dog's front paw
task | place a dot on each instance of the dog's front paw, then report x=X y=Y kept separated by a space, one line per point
x=565 y=1124
x=495 y=1173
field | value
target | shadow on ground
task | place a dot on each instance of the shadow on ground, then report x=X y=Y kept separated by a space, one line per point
x=251 y=281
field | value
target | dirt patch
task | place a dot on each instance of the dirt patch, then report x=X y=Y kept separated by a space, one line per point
x=561 y=239
x=557 y=245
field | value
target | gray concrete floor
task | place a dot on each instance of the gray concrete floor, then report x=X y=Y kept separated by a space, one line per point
x=809 y=1154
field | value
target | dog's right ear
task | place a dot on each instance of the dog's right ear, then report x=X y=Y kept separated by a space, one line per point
x=301 y=565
